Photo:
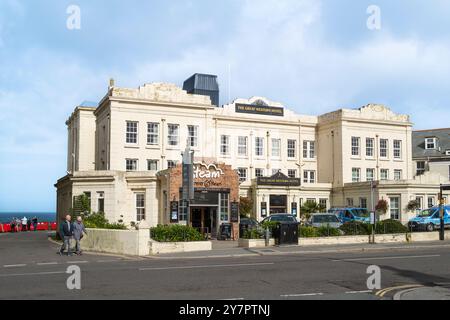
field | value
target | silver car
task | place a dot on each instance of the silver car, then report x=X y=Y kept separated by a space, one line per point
x=325 y=220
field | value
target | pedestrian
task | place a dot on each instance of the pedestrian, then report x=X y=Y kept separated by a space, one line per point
x=35 y=223
x=29 y=224
x=78 y=230
x=66 y=230
x=18 y=223
x=24 y=224
x=13 y=224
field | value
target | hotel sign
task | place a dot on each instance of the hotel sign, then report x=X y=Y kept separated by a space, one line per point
x=279 y=179
x=259 y=109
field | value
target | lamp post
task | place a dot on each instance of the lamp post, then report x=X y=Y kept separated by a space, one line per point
x=441 y=210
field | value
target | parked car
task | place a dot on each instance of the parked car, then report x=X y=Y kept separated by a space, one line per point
x=325 y=220
x=247 y=224
x=351 y=214
x=280 y=217
x=429 y=219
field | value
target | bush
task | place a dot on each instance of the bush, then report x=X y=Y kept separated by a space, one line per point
x=175 y=233
x=308 y=232
x=390 y=226
x=252 y=234
x=355 y=228
x=269 y=224
x=328 y=232
x=98 y=221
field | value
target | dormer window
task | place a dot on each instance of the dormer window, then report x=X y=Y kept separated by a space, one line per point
x=430 y=143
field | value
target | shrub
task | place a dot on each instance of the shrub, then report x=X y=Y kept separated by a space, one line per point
x=252 y=234
x=98 y=221
x=328 y=232
x=390 y=226
x=175 y=233
x=355 y=228
x=308 y=232
x=269 y=224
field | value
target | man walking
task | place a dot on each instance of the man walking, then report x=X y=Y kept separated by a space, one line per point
x=66 y=230
x=24 y=224
x=78 y=230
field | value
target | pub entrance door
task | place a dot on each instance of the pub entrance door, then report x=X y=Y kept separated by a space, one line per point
x=204 y=219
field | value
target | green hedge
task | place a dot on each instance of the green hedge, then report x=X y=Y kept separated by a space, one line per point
x=308 y=232
x=253 y=234
x=175 y=233
x=98 y=221
x=355 y=228
x=383 y=227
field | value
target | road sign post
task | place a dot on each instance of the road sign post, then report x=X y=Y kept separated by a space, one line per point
x=187 y=193
x=441 y=210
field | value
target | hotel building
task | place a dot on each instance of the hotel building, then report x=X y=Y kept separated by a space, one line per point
x=125 y=154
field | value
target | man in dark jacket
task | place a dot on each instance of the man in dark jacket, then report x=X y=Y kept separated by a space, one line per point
x=66 y=230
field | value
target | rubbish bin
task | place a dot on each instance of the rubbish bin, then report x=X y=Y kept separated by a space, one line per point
x=225 y=231
x=286 y=233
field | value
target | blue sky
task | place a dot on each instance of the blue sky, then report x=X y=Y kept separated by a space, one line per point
x=313 y=56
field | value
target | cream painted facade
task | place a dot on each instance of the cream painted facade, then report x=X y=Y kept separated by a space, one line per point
x=117 y=149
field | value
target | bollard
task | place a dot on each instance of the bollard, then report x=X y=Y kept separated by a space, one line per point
x=267 y=236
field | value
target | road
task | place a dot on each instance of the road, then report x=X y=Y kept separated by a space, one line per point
x=31 y=269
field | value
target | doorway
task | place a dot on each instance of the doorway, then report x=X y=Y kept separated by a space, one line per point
x=204 y=219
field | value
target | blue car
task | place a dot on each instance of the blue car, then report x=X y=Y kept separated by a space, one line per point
x=429 y=219
x=351 y=214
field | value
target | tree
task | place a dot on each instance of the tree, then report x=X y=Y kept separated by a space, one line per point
x=310 y=207
x=382 y=206
x=245 y=207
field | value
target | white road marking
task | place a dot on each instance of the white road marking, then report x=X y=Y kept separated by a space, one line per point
x=47 y=263
x=301 y=295
x=388 y=258
x=208 y=266
x=31 y=274
x=14 y=265
x=356 y=292
x=233 y=299
x=106 y=261
x=76 y=262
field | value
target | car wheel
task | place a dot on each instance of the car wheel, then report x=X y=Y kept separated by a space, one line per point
x=430 y=227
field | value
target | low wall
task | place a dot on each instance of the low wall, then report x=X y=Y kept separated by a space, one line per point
x=176 y=247
x=254 y=243
x=333 y=240
x=125 y=242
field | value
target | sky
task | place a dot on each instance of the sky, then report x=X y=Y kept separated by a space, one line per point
x=314 y=56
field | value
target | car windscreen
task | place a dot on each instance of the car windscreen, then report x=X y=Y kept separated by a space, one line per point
x=363 y=213
x=427 y=213
x=331 y=218
x=285 y=218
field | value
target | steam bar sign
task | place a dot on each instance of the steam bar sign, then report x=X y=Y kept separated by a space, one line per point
x=261 y=110
x=278 y=179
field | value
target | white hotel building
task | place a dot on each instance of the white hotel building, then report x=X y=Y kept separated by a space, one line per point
x=125 y=154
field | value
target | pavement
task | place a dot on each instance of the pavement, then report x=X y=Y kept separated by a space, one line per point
x=31 y=269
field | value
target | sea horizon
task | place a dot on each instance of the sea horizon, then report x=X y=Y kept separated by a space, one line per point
x=43 y=216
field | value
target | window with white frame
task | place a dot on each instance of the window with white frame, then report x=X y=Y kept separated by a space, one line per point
x=224 y=145
x=309 y=176
x=242 y=146
x=419 y=200
x=242 y=172
x=224 y=207
x=420 y=169
x=431 y=143
x=430 y=202
x=132 y=132
x=363 y=203
x=152 y=165
x=384 y=148
x=370 y=147
x=397 y=149
x=140 y=206
x=259 y=172
x=395 y=207
x=398 y=174
x=171 y=164
x=323 y=204
x=131 y=164
x=152 y=133
x=173 y=135
x=259 y=146
x=349 y=202
x=292 y=149
x=276 y=148
x=356 y=174
x=384 y=174
x=292 y=173
x=183 y=210
x=309 y=151
x=370 y=174
x=355 y=146
x=193 y=136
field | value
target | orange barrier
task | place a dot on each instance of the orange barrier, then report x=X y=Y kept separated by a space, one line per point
x=42 y=226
